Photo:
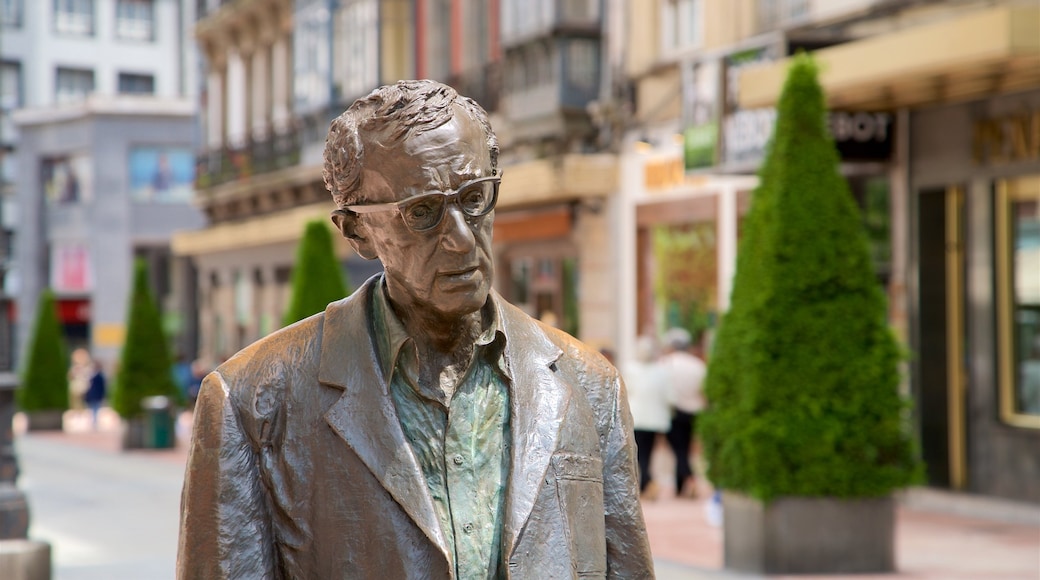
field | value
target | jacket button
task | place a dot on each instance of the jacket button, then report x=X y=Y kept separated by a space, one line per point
x=467 y=528
x=457 y=459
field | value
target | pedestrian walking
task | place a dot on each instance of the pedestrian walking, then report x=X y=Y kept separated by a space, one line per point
x=648 y=397
x=686 y=377
x=95 y=394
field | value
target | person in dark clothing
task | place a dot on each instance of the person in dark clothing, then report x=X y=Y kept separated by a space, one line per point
x=95 y=394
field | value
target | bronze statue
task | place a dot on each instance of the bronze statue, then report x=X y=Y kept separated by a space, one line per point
x=421 y=427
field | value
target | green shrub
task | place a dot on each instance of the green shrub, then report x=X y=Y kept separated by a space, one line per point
x=45 y=385
x=317 y=277
x=145 y=369
x=804 y=380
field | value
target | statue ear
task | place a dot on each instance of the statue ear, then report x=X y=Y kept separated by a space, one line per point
x=349 y=224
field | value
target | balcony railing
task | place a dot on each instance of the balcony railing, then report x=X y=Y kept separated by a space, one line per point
x=255 y=157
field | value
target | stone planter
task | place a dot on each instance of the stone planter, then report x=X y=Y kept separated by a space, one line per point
x=47 y=420
x=802 y=535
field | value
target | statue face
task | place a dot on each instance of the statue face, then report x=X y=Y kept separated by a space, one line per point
x=446 y=270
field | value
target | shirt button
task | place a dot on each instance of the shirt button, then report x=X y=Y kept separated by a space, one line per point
x=457 y=459
x=467 y=528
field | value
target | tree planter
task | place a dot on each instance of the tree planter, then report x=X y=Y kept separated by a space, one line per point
x=45 y=420
x=804 y=535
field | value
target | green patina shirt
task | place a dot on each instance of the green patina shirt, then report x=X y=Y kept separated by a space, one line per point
x=461 y=440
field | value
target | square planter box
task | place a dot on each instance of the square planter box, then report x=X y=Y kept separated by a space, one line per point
x=802 y=535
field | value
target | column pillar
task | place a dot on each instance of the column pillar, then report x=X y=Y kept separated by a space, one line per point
x=215 y=107
x=236 y=98
x=281 y=84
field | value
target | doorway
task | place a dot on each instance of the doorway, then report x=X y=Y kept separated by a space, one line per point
x=940 y=389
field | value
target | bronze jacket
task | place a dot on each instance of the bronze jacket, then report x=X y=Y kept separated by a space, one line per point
x=298 y=466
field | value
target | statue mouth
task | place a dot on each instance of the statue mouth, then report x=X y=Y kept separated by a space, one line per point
x=463 y=275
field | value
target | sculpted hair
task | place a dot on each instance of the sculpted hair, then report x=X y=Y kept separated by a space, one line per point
x=391 y=113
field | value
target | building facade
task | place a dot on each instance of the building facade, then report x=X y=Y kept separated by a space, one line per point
x=83 y=82
x=933 y=107
x=280 y=71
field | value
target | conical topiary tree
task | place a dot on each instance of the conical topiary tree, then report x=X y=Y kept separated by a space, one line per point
x=317 y=277
x=803 y=382
x=45 y=385
x=144 y=367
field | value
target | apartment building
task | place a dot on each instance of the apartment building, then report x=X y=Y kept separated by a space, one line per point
x=280 y=71
x=97 y=135
x=934 y=109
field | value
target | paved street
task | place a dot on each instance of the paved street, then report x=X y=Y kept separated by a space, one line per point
x=112 y=515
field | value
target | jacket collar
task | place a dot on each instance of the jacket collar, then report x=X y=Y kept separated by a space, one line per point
x=365 y=418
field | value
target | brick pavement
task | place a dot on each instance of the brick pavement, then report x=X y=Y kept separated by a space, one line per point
x=940 y=535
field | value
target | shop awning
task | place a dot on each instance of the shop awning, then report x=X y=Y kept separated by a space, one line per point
x=986 y=52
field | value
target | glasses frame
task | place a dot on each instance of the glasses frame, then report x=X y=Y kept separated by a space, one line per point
x=453 y=198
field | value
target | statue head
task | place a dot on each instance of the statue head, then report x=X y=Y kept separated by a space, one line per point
x=412 y=168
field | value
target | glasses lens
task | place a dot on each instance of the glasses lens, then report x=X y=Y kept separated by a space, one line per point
x=424 y=212
x=477 y=198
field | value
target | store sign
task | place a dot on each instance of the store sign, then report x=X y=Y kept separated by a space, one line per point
x=664 y=174
x=1007 y=139
x=861 y=135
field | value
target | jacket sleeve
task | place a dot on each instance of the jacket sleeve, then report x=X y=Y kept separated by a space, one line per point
x=225 y=528
x=628 y=550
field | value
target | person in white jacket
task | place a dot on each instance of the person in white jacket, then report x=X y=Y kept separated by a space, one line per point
x=686 y=376
x=648 y=397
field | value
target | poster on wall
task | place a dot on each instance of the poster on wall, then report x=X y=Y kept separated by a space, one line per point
x=700 y=90
x=162 y=174
x=67 y=180
x=70 y=268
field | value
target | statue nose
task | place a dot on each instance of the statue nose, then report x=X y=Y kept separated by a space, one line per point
x=458 y=234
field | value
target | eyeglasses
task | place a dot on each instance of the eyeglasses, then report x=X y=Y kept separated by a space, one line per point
x=424 y=212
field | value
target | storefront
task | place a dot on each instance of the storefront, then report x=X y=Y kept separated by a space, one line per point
x=680 y=234
x=975 y=265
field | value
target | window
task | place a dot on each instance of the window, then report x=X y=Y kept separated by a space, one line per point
x=134 y=84
x=1018 y=286
x=357 y=48
x=582 y=64
x=73 y=85
x=10 y=86
x=774 y=14
x=11 y=13
x=681 y=23
x=135 y=20
x=74 y=17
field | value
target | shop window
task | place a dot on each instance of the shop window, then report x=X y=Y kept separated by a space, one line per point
x=74 y=17
x=135 y=20
x=1018 y=300
x=872 y=196
x=685 y=274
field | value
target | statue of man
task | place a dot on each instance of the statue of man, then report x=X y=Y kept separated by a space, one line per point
x=421 y=427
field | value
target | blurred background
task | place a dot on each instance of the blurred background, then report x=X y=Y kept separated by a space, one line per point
x=189 y=133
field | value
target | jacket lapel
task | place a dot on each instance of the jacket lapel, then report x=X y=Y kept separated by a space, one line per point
x=364 y=416
x=538 y=401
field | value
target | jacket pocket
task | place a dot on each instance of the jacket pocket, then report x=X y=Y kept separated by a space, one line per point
x=579 y=490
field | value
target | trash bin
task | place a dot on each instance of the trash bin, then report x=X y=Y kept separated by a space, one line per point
x=159 y=423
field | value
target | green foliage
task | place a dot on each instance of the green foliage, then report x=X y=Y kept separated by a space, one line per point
x=317 y=278
x=686 y=273
x=803 y=382
x=45 y=383
x=571 y=316
x=145 y=369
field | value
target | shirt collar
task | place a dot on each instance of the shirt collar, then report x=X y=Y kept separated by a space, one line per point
x=392 y=336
